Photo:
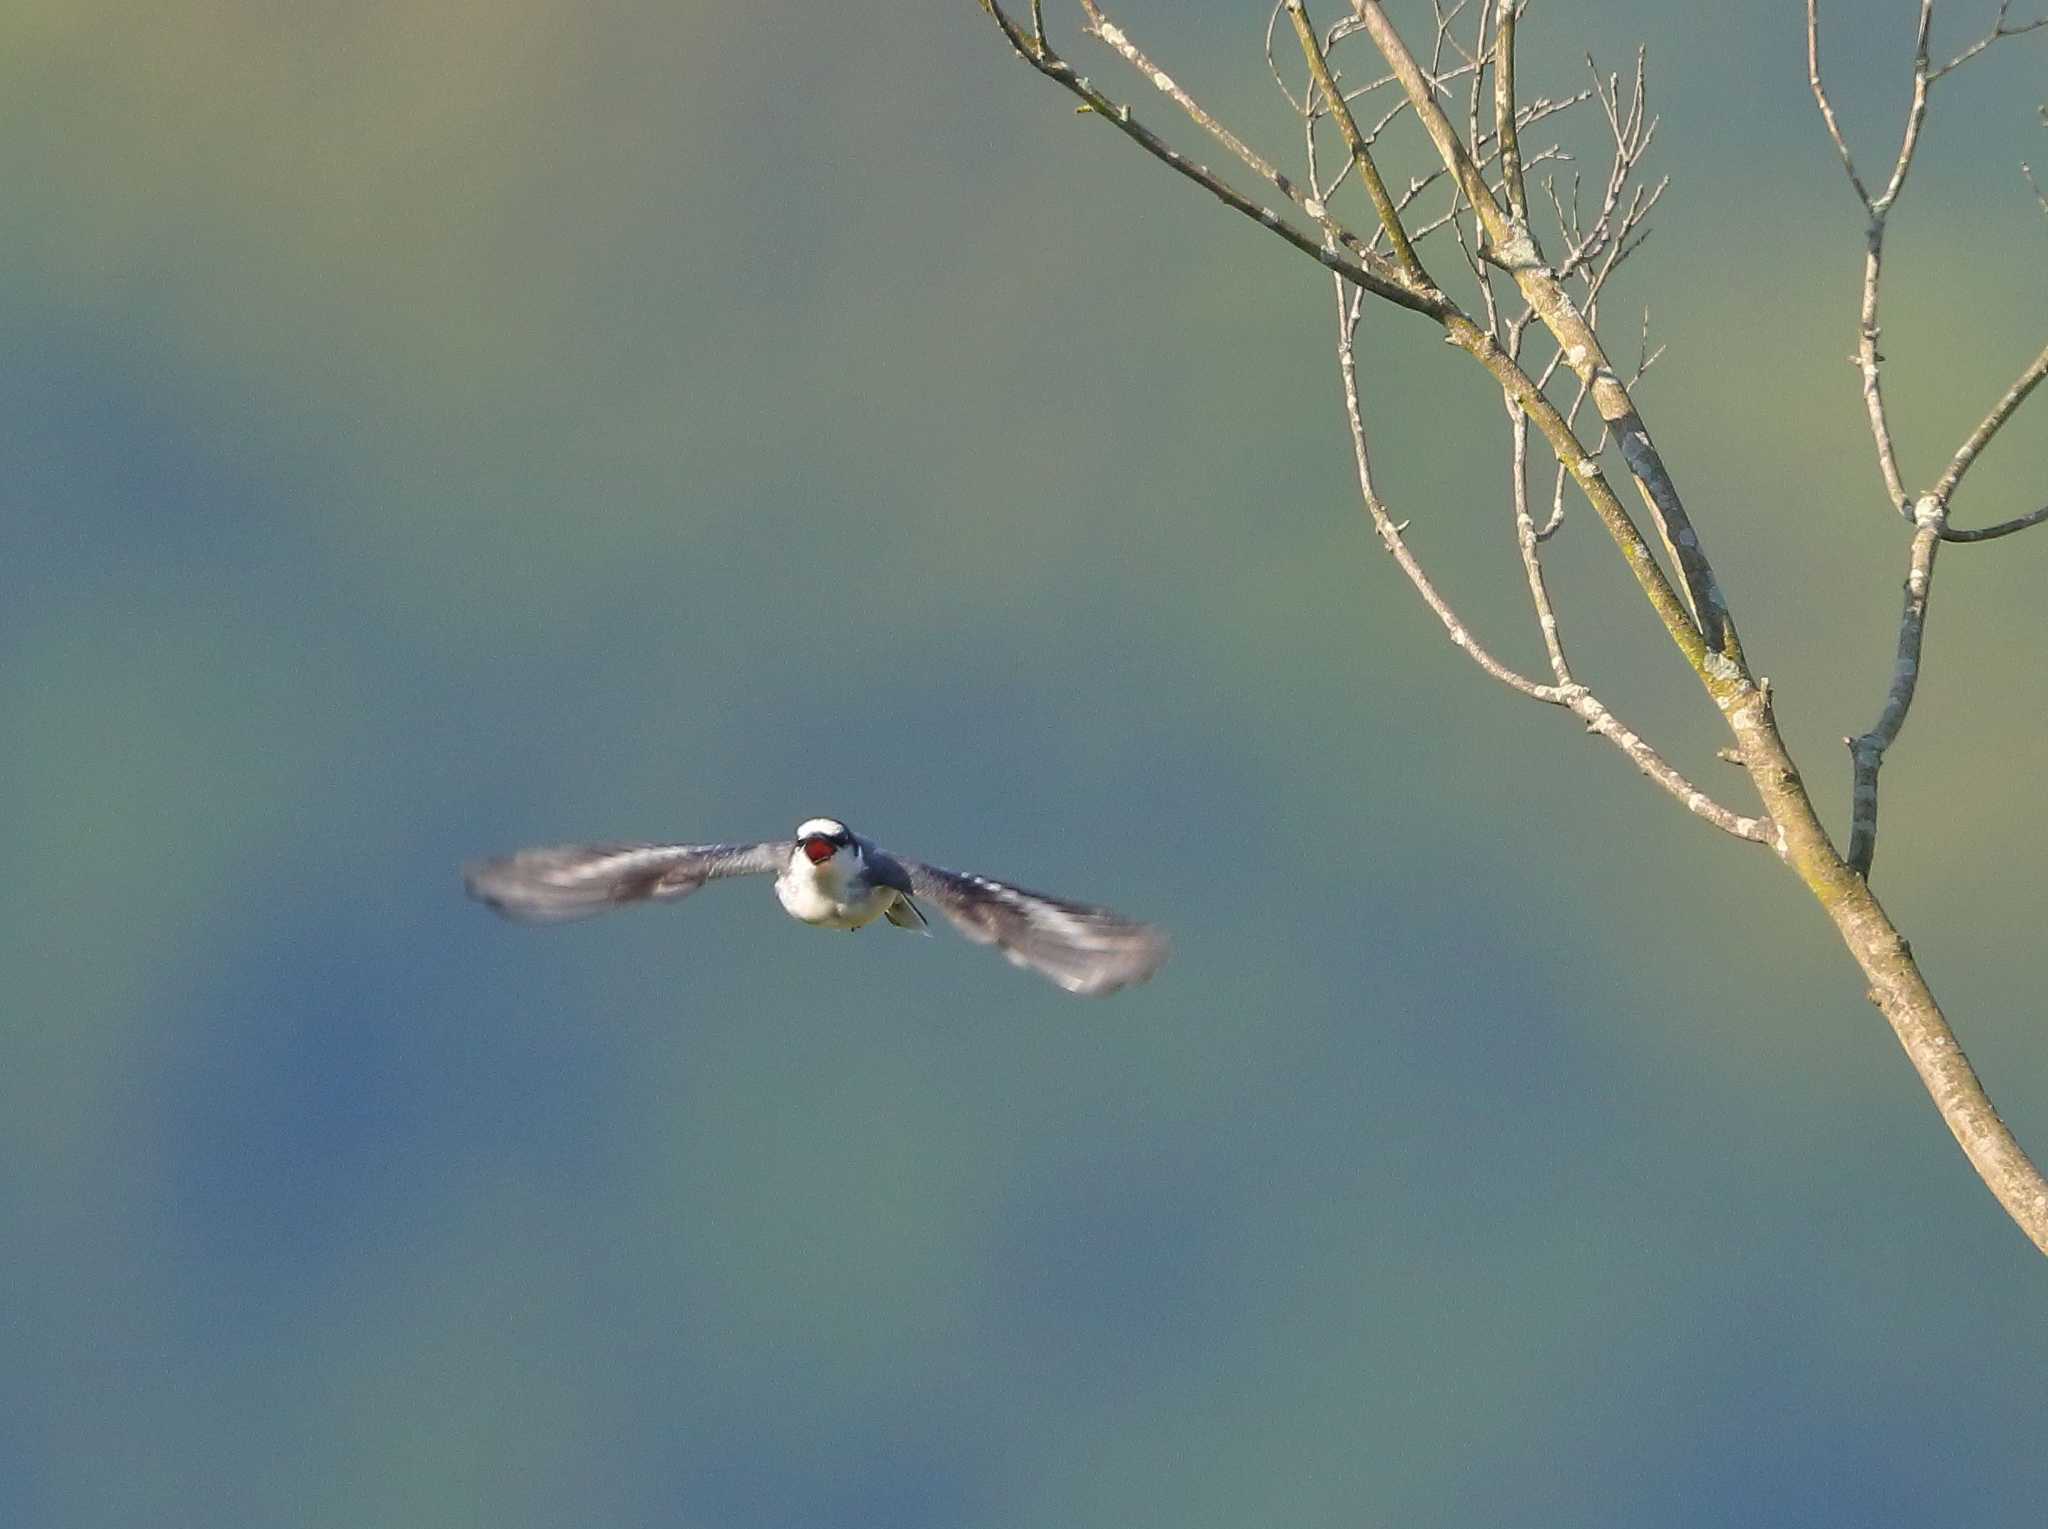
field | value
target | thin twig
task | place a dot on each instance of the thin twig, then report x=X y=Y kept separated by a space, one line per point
x=1998 y=29
x=1361 y=155
x=1601 y=721
x=1827 y=107
x=2003 y=528
x=1527 y=542
x=1485 y=156
x=1382 y=281
x=1916 y=109
x=1990 y=425
x=2039 y=195
x=1515 y=251
x=1390 y=533
x=1511 y=174
x=1930 y=510
x=1304 y=106
x=1369 y=272
x=1569 y=694
x=1118 y=40
x=1868 y=361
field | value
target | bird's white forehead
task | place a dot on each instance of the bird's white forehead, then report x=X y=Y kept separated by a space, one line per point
x=827 y=827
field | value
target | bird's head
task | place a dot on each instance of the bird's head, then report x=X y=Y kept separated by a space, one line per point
x=819 y=839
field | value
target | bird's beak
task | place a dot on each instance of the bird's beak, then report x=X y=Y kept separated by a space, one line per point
x=818 y=849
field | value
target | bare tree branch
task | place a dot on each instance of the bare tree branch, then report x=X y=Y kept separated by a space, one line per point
x=1530 y=545
x=1998 y=30
x=1500 y=242
x=1867 y=750
x=1361 y=155
x=1511 y=172
x=1930 y=510
x=1567 y=692
x=1369 y=271
x=1991 y=424
x=2003 y=528
x=1868 y=361
x=2040 y=196
x=1391 y=534
x=1114 y=36
x=1515 y=252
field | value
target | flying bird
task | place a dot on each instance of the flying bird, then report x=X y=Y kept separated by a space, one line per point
x=830 y=876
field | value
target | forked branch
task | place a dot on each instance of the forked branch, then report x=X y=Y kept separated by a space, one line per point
x=1698 y=624
x=1567 y=692
x=1929 y=511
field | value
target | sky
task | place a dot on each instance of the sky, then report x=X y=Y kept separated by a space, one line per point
x=434 y=428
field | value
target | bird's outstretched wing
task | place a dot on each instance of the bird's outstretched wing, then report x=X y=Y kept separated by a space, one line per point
x=576 y=880
x=1085 y=950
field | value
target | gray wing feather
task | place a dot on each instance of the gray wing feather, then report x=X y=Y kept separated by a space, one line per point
x=1083 y=949
x=886 y=870
x=568 y=881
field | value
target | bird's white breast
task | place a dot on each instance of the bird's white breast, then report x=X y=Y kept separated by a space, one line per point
x=834 y=894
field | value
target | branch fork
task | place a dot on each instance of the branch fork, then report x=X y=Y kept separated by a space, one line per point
x=1491 y=226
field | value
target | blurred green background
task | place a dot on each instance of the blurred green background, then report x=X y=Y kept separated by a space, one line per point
x=433 y=428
